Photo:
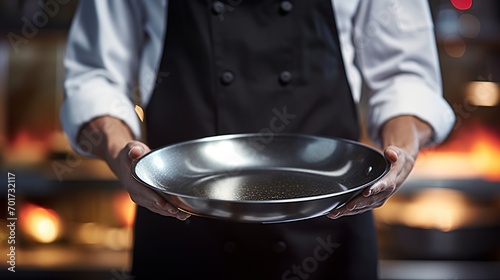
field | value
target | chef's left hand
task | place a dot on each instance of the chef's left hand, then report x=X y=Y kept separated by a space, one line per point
x=376 y=195
x=402 y=136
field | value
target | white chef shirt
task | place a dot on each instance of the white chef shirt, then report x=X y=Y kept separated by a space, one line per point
x=387 y=45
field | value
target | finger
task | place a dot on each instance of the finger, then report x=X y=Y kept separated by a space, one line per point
x=334 y=214
x=136 y=149
x=394 y=156
x=166 y=210
x=338 y=214
x=151 y=200
x=387 y=184
x=143 y=195
x=135 y=152
x=344 y=211
x=349 y=213
x=148 y=198
x=378 y=193
x=180 y=215
x=361 y=203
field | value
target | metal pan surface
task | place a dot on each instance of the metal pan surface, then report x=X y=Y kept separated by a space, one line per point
x=261 y=178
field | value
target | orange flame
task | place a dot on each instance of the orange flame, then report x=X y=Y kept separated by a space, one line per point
x=436 y=208
x=474 y=152
x=26 y=147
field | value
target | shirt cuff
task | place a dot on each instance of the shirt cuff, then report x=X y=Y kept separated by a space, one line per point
x=94 y=99
x=411 y=98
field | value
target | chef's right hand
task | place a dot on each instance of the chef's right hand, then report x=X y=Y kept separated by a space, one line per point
x=139 y=193
x=111 y=139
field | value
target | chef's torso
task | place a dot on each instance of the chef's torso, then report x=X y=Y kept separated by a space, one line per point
x=252 y=66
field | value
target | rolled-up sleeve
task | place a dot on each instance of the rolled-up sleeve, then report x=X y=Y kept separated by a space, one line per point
x=101 y=64
x=397 y=57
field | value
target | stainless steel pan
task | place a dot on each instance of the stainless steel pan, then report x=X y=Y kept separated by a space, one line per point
x=263 y=178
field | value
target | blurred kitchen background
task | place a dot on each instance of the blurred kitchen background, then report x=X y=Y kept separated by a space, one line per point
x=74 y=219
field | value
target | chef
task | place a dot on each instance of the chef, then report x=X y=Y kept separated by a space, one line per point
x=205 y=67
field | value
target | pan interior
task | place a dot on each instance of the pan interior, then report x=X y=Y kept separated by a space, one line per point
x=261 y=185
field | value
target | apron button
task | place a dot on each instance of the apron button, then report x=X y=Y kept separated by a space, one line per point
x=286 y=7
x=279 y=246
x=229 y=247
x=285 y=77
x=218 y=7
x=227 y=77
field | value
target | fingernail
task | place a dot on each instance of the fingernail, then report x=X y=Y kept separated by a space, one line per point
x=335 y=214
x=159 y=204
x=133 y=148
x=395 y=153
x=172 y=211
x=369 y=193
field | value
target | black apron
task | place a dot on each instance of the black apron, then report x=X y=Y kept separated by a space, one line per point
x=251 y=66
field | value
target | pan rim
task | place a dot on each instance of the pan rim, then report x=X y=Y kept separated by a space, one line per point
x=247 y=135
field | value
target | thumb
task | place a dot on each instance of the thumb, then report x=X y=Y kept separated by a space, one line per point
x=391 y=154
x=136 y=150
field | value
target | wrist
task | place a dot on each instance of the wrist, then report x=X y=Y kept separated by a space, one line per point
x=107 y=135
x=406 y=132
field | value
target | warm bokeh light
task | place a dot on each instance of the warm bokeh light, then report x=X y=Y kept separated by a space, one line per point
x=436 y=208
x=482 y=93
x=474 y=152
x=88 y=233
x=441 y=209
x=454 y=46
x=115 y=238
x=26 y=148
x=462 y=4
x=124 y=208
x=41 y=224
